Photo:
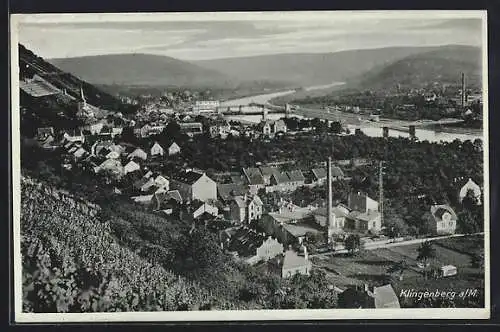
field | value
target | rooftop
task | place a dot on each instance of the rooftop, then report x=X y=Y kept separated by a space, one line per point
x=296 y=175
x=254 y=176
x=439 y=210
x=187 y=177
x=227 y=190
x=319 y=173
x=301 y=229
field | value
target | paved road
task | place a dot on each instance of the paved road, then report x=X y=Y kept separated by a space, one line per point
x=390 y=243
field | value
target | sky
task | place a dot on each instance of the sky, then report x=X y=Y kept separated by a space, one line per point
x=198 y=36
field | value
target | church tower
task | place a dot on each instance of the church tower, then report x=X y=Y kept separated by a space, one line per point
x=82 y=97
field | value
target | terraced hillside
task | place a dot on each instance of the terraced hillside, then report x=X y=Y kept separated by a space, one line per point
x=30 y=64
x=72 y=263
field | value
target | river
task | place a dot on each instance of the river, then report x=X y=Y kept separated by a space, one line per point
x=372 y=130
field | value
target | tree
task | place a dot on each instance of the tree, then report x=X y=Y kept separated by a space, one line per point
x=398 y=267
x=353 y=243
x=172 y=130
x=426 y=251
x=466 y=222
x=427 y=225
x=477 y=260
x=354 y=299
x=336 y=127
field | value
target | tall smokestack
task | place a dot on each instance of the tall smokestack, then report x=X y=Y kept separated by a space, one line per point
x=329 y=202
x=463 y=90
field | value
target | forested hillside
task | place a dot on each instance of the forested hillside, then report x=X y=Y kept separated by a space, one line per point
x=31 y=64
x=419 y=70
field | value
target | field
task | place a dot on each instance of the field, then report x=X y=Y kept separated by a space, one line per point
x=370 y=267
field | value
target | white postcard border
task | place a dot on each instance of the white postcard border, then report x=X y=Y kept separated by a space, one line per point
x=231 y=315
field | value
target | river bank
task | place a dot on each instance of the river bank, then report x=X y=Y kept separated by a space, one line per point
x=397 y=128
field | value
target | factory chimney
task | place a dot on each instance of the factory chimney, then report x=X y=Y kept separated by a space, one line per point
x=463 y=96
x=330 y=219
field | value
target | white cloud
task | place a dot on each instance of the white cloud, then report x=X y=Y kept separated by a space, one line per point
x=215 y=35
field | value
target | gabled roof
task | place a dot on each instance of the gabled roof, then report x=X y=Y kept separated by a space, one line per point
x=155 y=143
x=439 y=210
x=243 y=203
x=296 y=175
x=319 y=173
x=470 y=185
x=279 y=123
x=138 y=150
x=287 y=215
x=281 y=177
x=132 y=163
x=337 y=172
x=197 y=204
x=254 y=176
x=336 y=210
x=187 y=177
x=165 y=197
x=174 y=144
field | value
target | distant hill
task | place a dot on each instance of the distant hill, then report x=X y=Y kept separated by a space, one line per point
x=443 y=65
x=49 y=96
x=310 y=69
x=30 y=64
x=142 y=70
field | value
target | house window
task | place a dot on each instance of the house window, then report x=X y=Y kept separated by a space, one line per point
x=373 y=224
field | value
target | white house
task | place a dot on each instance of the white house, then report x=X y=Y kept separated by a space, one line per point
x=445 y=219
x=470 y=185
x=173 y=149
x=246 y=208
x=194 y=185
x=156 y=150
x=204 y=207
x=138 y=153
x=131 y=166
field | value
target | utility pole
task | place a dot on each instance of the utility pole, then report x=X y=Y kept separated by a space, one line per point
x=381 y=191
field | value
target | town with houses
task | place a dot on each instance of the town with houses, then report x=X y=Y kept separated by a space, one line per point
x=286 y=223
x=256 y=234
